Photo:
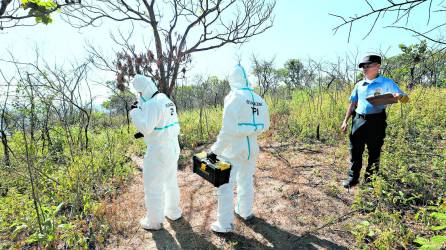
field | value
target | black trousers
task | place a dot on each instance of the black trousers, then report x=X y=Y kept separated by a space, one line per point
x=367 y=130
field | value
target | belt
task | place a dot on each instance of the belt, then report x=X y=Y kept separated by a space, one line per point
x=372 y=116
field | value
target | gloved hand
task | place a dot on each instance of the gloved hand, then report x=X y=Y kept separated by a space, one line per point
x=212 y=157
x=138 y=135
x=134 y=105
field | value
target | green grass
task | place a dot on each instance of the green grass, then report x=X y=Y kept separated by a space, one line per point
x=67 y=188
x=194 y=133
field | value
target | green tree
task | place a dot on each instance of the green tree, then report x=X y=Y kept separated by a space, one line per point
x=14 y=13
x=413 y=57
x=418 y=65
x=292 y=73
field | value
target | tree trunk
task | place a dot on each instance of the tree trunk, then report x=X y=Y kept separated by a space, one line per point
x=5 y=148
x=32 y=115
x=127 y=117
x=30 y=166
x=412 y=78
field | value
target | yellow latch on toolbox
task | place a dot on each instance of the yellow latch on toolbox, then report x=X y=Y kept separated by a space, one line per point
x=203 y=167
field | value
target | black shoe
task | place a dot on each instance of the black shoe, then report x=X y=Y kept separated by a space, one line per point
x=350 y=182
x=368 y=178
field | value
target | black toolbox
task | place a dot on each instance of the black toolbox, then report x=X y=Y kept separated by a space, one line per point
x=217 y=173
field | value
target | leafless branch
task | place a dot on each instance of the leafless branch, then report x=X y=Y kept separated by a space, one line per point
x=402 y=10
x=439 y=41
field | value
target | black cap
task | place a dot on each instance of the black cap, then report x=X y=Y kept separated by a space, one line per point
x=370 y=59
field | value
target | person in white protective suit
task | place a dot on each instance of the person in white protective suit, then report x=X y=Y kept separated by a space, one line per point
x=156 y=118
x=245 y=116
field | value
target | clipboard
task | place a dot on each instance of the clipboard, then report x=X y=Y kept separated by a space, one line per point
x=383 y=99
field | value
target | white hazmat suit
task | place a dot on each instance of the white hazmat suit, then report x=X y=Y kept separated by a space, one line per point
x=245 y=116
x=157 y=120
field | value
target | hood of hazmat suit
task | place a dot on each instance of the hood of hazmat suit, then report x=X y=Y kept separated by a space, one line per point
x=145 y=85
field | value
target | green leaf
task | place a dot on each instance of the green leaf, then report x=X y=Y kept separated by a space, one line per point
x=58 y=207
x=439 y=216
x=439 y=239
x=417 y=216
x=65 y=226
x=421 y=241
x=428 y=247
x=438 y=228
x=51 y=237
x=435 y=243
x=365 y=223
x=18 y=229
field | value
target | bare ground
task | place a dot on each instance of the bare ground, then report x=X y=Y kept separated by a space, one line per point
x=298 y=205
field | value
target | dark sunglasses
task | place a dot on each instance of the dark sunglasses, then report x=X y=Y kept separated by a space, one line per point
x=367 y=66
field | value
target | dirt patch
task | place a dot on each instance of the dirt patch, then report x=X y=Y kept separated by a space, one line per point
x=298 y=205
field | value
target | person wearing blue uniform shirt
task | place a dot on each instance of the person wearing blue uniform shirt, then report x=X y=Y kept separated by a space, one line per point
x=368 y=120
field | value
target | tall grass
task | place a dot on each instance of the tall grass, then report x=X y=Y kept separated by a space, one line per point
x=58 y=210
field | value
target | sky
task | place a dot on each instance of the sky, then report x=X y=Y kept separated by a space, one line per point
x=302 y=29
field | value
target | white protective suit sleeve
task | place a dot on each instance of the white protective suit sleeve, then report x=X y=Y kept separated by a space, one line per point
x=229 y=127
x=145 y=118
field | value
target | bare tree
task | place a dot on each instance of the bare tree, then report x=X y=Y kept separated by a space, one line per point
x=401 y=12
x=267 y=76
x=60 y=91
x=179 y=28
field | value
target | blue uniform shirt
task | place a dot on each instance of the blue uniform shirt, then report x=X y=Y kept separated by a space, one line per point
x=365 y=88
